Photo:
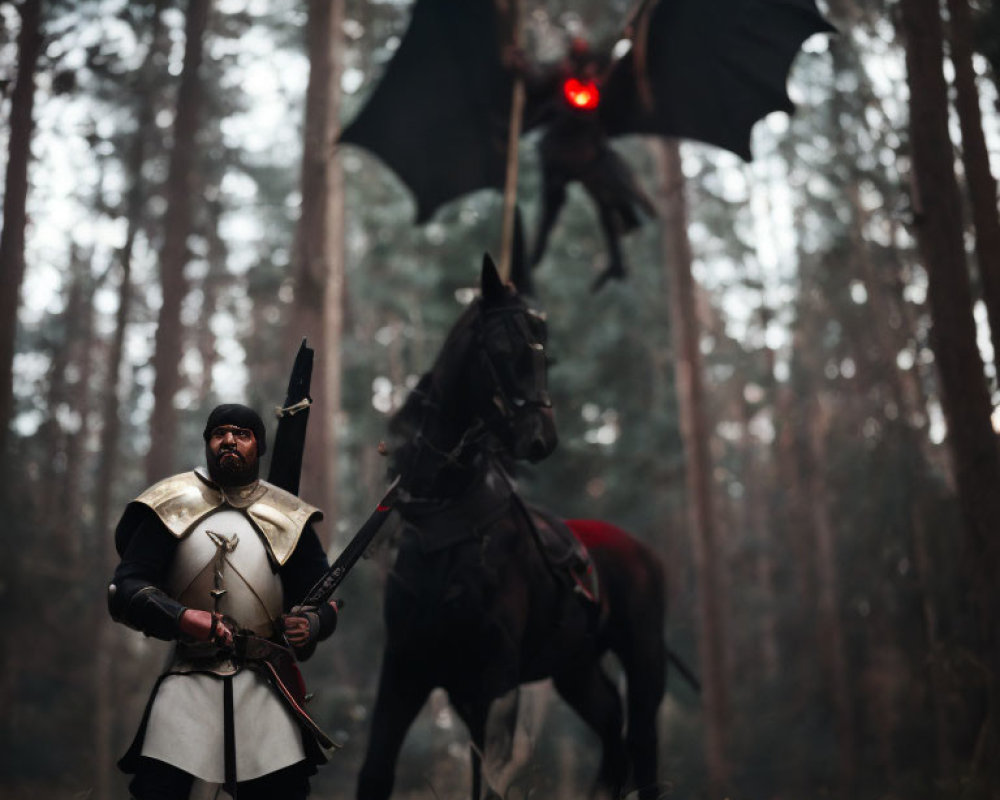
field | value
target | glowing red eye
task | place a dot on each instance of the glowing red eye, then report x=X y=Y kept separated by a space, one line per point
x=581 y=94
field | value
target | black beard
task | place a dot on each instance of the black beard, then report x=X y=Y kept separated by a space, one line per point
x=231 y=472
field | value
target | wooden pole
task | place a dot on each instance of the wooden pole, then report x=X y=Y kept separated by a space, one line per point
x=510 y=183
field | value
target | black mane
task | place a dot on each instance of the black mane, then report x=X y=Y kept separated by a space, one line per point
x=409 y=419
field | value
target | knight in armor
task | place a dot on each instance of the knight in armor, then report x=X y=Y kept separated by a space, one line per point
x=213 y=561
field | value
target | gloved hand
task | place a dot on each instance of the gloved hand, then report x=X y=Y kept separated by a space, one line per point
x=301 y=625
x=305 y=625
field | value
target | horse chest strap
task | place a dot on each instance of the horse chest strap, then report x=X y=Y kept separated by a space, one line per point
x=443 y=530
x=457 y=525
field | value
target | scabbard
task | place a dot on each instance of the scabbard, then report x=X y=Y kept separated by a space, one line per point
x=270 y=673
x=277 y=666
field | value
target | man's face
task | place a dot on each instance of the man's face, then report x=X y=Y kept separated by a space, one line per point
x=232 y=455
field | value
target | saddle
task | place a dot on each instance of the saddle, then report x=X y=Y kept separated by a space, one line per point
x=566 y=554
x=438 y=527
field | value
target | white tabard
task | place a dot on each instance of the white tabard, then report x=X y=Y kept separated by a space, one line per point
x=186 y=722
x=185 y=727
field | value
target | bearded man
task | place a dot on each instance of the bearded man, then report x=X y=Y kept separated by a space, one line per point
x=213 y=561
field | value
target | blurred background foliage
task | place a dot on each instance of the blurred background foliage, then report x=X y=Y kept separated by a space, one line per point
x=844 y=599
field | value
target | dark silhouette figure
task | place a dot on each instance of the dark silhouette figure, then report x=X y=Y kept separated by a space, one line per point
x=440 y=117
x=566 y=99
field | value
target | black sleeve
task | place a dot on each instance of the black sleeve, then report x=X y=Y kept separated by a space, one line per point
x=304 y=567
x=135 y=596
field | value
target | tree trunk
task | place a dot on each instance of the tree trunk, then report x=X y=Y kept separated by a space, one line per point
x=181 y=191
x=886 y=306
x=830 y=628
x=975 y=156
x=103 y=666
x=134 y=211
x=217 y=276
x=964 y=394
x=319 y=261
x=22 y=123
x=938 y=696
x=51 y=435
x=695 y=433
x=758 y=478
x=72 y=520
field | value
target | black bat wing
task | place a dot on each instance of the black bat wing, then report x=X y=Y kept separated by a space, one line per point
x=439 y=116
x=713 y=68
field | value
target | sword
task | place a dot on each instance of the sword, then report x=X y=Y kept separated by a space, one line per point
x=331 y=579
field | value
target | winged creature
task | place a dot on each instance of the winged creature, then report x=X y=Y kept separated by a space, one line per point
x=706 y=70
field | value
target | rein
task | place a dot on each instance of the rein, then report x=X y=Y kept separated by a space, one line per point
x=452 y=458
x=509 y=396
x=536 y=535
x=506 y=398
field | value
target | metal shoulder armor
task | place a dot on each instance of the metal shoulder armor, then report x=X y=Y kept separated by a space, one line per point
x=180 y=501
x=281 y=517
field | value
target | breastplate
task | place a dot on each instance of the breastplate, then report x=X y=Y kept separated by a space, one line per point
x=222 y=565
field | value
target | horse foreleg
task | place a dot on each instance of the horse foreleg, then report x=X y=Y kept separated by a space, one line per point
x=593 y=696
x=475 y=720
x=401 y=694
x=481 y=789
x=487 y=739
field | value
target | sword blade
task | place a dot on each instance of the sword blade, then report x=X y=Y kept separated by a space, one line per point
x=331 y=579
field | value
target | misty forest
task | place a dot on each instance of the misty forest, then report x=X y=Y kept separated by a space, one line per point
x=790 y=397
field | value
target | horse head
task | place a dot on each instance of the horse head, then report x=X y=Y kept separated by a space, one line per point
x=510 y=372
x=489 y=383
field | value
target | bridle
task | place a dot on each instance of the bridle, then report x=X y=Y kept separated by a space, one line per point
x=501 y=338
x=524 y=332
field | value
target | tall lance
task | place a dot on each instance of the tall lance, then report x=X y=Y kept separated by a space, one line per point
x=286 y=470
x=514 y=135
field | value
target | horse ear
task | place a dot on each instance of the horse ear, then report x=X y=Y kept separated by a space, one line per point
x=520 y=268
x=490 y=283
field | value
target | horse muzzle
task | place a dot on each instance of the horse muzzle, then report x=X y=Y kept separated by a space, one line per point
x=534 y=434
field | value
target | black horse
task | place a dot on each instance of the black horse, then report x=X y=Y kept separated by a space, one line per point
x=474 y=603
